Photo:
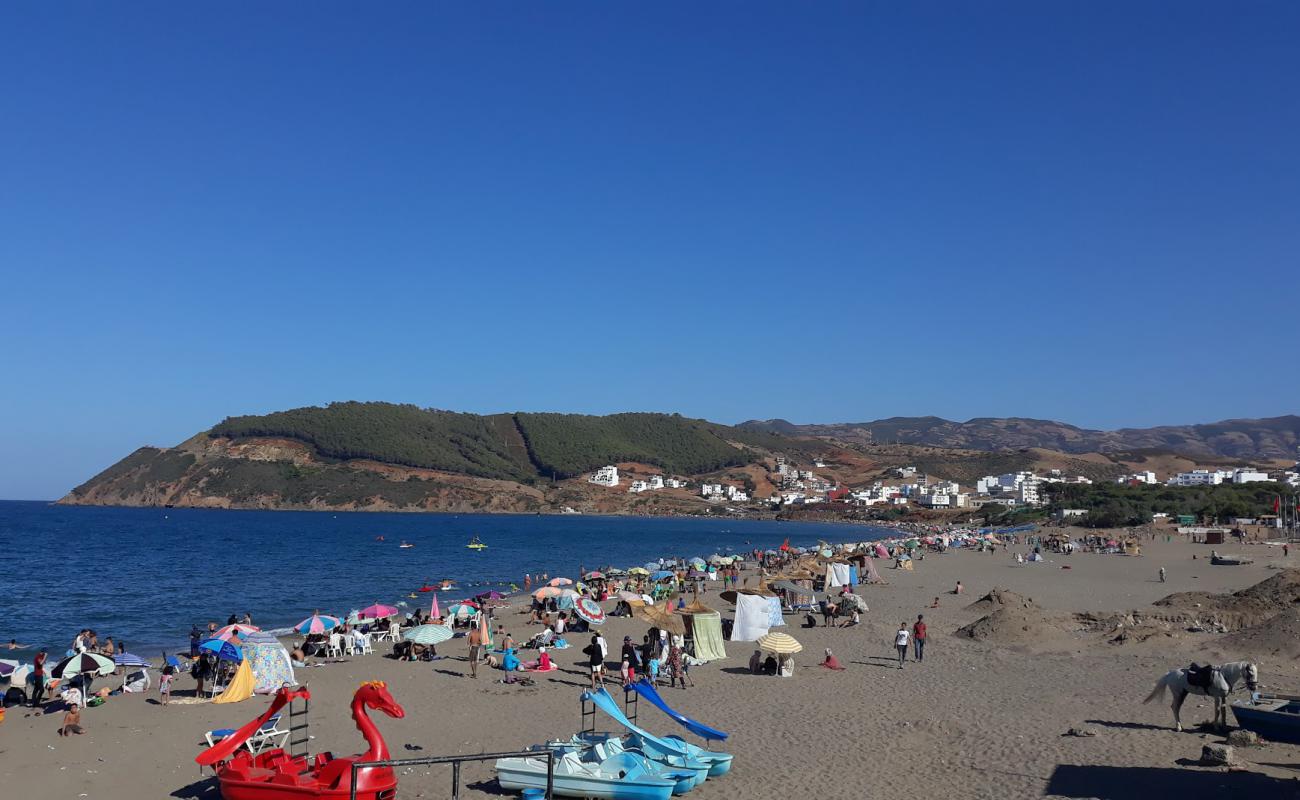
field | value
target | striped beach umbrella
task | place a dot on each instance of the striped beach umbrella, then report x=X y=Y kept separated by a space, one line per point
x=560 y=582
x=238 y=630
x=548 y=591
x=589 y=610
x=129 y=660
x=780 y=643
x=428 y=634
x=318 y=623
x=83 y=664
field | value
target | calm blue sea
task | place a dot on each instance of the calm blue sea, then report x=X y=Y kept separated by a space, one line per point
x=145 y=575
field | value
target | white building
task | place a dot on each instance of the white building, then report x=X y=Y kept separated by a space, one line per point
x=638 y=487
x=736 y=495
x=710 y=489
x=655 y=482
x=905 y=472
x=605 y=476
x=1198 y=477
x=1138 y=477
x=1249 y=476
x=1027 y=493
x=674 y=483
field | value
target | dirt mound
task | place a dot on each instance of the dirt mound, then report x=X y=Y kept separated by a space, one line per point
x=1278 y=636
x=1000 y=598
x=1023 y=625
x=1247 y=608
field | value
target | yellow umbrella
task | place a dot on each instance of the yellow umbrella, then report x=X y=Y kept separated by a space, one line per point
x=638 y=571
x=779 y=643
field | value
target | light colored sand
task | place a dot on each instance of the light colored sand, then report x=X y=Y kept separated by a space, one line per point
x=976 y=720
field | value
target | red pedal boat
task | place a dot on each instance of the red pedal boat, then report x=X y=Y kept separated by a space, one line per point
x=277 y=775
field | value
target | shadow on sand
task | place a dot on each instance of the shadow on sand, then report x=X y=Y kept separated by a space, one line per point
x=204 y=789
x=1141 y=783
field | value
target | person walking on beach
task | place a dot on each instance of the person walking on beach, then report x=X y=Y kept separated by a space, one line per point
x=1162 y=574
x=475 y=646
x=900 y=643
x=918 y=637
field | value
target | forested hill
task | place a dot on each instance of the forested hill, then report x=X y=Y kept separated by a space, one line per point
x=1272 y=437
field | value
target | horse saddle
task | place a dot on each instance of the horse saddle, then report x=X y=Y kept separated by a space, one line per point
x=1200 y=676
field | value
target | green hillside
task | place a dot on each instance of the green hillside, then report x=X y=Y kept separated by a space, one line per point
x=570 y=444
x=394 y=434
x=516 y=447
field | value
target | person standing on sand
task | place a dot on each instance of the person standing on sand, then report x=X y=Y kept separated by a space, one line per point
x=900 y=643
x=38 y=678
x=595 y=658
x=475 y=646
x=1162 y=574
x=918 y=637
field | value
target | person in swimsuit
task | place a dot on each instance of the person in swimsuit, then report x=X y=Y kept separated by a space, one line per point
x=475 y=648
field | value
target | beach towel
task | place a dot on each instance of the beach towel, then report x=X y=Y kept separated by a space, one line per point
x=753 y=618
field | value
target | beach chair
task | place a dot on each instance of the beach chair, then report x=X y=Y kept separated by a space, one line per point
x=542 y=639
x=335 y=646
x=264 y=737
x=363 y=645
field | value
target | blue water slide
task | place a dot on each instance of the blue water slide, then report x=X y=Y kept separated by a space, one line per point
x=719 y=763
x=649 y=692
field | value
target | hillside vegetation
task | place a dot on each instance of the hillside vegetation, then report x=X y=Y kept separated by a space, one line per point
x=1112 y=505
x=394 y=434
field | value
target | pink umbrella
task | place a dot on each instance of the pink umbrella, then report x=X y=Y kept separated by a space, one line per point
x=377 y=611
x=434 y=612
x=318 y=623
x=237 y=630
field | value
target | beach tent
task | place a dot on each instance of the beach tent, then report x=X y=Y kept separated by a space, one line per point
x=240 y=687
x=137 y=681
x=753 y=618
x=704 y=632
x=272 y=667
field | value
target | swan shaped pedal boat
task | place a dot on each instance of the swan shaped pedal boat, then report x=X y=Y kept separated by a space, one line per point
x=619 y=777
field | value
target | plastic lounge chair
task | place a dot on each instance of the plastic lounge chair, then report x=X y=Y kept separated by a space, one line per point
x=335 y=646
x=259 y=741
x=363 y=645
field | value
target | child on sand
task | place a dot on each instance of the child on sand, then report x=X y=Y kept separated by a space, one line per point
x=71 y=722
x=165 y=684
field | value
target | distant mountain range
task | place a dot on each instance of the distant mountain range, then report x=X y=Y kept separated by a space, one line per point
x=1270 y=438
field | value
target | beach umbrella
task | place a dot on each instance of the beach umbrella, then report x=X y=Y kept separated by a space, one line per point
x=615 y=571
x=485 y=633
x=780 y=643
x=589 y=610
x=640 y=570
x=492 y=595
x=129 y=660
x=594 y=575
x=7 y=667
x=428 y=634
x=560 y=582
x=462 y=609
x=661 y=617
x=318 y=623
x=225 y=651
x=377 y=611
x=83 y=664
x=632 y=597
x=699 y=561
x=433 y=610
x=548 y=591
x=663 y=574
x=231 y=631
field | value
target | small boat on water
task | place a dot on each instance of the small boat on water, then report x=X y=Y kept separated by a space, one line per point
x=446 y=585
x=1275 y=717
x=624 y=776
x=405 y=544
x=475 y=544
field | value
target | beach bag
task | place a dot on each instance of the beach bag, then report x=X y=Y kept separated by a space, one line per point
x=15 y=697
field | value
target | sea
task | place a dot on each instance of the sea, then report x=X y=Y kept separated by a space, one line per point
x=146 y=575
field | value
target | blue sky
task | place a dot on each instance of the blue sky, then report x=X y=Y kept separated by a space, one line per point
x=823 y=212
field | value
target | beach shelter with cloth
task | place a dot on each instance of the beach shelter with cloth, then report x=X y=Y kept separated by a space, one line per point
x=753 y=617
x=240 y=687
x=270 y=662
x=703 y=632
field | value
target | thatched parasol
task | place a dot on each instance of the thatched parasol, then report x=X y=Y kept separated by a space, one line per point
x=660 y=618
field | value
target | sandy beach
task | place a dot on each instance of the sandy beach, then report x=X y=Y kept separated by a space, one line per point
x=982 y=717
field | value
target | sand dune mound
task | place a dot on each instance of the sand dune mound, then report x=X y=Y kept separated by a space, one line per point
x=1000 y=598
x=1020 y=625
x=1243 y=609
x=1278 y=636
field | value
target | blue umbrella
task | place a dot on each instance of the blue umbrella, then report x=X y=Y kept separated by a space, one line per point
x=661 y=574
x=223 y=650
x=129 y=660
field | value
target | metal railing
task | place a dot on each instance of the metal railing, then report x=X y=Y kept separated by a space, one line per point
x=455 y=762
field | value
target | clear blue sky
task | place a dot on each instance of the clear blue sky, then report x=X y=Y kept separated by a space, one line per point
x=824 y=212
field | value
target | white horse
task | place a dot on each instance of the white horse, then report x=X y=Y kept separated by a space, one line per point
x=1223 y=681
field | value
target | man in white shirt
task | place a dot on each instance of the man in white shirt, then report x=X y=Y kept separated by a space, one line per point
x=558 y=627
x=900 y=643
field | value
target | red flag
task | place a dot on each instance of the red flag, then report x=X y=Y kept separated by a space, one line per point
x=1277 y=504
